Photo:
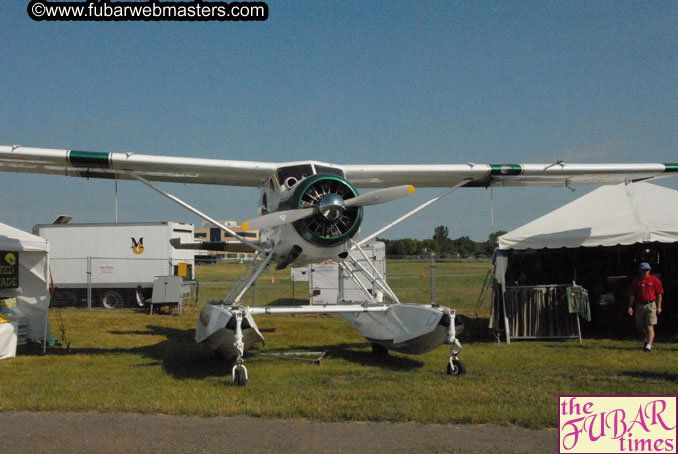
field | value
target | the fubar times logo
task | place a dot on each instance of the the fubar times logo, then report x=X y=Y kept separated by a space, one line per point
x=617 y=424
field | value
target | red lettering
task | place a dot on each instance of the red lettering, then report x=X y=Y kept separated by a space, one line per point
x=639 y=420
x=618 y=424
x=575 y=431
x=656 y=415
x=591 y=420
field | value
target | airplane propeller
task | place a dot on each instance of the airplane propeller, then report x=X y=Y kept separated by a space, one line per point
x=331 y=207
x=380 y=196
x=277 y=218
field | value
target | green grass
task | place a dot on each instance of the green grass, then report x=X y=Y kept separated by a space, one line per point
x=123 y=361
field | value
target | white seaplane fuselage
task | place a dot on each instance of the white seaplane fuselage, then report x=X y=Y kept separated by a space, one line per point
x=409 y=328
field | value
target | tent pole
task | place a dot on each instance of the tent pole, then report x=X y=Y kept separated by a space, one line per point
x=506 y=320
x=44 y=333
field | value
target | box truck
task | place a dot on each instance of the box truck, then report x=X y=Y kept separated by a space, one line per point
x=114 y=265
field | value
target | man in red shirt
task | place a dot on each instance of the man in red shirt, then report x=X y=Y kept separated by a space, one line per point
x=646 y=292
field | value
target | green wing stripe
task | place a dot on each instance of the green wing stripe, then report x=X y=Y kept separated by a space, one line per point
x=89 y=159
x=673 y=167
x=506 y=169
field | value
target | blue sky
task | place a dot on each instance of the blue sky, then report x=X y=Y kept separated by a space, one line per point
x=345 y=82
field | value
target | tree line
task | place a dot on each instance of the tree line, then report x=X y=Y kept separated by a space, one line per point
x=443 y=245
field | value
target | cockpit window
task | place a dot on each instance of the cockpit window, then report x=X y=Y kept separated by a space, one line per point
x=330 y=170
x=297 y=172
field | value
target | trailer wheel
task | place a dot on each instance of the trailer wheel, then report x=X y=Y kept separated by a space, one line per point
x=111 y=300
x=70 y=299
x=139 y=294
x=64 y=298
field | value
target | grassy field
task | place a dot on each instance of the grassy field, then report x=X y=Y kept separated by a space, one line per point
x=126 y=361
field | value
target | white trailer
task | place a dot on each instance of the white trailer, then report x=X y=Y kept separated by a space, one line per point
x=112 y=265
x=326 y=282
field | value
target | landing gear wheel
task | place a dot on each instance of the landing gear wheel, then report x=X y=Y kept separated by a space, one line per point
x=111 y=300
x=456 y=367
x=379 y=351
x=240 y=376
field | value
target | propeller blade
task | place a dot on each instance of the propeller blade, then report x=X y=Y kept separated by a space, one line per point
x=277 y=218
x=380 y=196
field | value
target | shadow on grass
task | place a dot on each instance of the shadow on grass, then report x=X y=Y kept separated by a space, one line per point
x=589 y=343
x=477 y=331
x=182 y=358
x=650 y=375
x=629 y=348
x=360 y=353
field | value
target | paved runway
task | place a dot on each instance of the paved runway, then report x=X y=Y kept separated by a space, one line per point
x=25 y=432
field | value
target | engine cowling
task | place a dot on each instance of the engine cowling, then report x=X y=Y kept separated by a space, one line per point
x=333 y=223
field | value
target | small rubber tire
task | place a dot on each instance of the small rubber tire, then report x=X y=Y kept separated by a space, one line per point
x=111 y=300
x=459 y=368
x=240 y=378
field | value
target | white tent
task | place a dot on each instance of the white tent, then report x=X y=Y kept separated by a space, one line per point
x=610 y=215
x=32 y=296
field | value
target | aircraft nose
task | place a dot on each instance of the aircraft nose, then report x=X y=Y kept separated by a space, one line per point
x=331 y=206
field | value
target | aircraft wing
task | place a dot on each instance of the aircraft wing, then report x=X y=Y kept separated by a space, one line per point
x=89 y=164
x=92 y=164
x=486 y=175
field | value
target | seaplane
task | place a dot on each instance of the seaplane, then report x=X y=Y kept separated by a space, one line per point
x=310 y=212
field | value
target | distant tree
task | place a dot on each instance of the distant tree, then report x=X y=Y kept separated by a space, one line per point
x=442 y=238
x=465 y=246
x=491 y=243
x=440 y=234
x=393 y=247
x=412 y=246
x=403 y=246
x=431 y=245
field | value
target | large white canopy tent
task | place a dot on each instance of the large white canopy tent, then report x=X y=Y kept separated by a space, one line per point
x=32 y=296
x=608 y=216
x=621 y=215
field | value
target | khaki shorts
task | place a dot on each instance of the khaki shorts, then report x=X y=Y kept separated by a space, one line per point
x=646 y=315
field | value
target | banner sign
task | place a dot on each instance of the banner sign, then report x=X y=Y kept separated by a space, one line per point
x=9 y=269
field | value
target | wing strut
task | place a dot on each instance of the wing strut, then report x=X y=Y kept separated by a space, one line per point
x=413 y=212
x=195 y=211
